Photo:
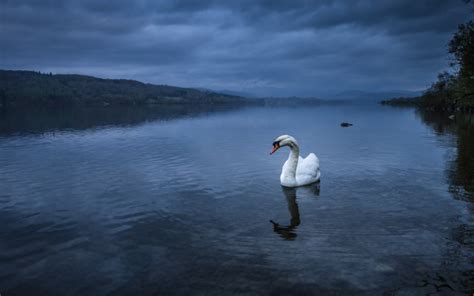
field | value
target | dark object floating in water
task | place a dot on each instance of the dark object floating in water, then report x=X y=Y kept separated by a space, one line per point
x=346 y=124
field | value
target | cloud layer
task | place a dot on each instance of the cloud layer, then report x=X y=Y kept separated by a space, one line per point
x=275 y=48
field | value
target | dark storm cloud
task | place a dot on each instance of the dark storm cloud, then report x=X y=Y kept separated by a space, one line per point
x=266 y=47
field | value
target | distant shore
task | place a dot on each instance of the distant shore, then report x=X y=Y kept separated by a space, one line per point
x=33 y=89
x=30 y=89
x=427 y=102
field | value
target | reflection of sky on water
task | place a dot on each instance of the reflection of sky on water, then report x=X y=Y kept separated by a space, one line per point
x=188 y=201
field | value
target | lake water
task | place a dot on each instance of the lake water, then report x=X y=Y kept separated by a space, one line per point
x=178 y=201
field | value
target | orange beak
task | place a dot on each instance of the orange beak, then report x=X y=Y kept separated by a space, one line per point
x=275 y=148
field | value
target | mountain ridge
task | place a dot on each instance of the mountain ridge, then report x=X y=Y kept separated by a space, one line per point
x=30 y=88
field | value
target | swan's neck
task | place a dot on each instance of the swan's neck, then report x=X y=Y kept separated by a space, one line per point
x=292 y=162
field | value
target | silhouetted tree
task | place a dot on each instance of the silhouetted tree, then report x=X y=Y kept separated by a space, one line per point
x=461 y=47
x=451 y=90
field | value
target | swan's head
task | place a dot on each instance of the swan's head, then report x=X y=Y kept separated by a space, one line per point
x=283 y=140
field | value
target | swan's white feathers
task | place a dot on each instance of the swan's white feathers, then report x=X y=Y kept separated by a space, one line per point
x=308 y=166
x=307 y=169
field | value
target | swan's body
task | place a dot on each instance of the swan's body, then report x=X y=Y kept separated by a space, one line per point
x=297 y=171
x=307 y=171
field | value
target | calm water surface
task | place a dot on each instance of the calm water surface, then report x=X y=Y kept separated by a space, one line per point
x=179 y=202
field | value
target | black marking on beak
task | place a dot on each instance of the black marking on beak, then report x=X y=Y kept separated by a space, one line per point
x=276 y=146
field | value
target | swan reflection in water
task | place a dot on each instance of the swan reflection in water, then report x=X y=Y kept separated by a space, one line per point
x=289 y=232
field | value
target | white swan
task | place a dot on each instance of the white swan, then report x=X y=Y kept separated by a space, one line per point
x=296 y=171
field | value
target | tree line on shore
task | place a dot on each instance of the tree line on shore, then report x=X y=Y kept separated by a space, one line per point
x=32 y=89
x=453 y=90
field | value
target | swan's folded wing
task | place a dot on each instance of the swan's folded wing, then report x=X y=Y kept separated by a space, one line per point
x=308 y=167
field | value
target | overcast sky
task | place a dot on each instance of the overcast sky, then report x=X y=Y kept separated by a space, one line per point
x=279 y=48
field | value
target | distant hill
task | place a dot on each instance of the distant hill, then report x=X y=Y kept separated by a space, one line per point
x=229 y=92
x=236 y=93
x=298 y=101
x=358 y=96
x=28 y=88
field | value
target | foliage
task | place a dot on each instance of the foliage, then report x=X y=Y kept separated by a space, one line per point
x=28 y=88
x=461 y=47
x=452 y=91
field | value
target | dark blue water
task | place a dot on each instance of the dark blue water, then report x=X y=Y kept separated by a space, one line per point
x=179 y=202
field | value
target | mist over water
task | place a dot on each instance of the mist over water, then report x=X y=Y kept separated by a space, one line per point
x=178 y=201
